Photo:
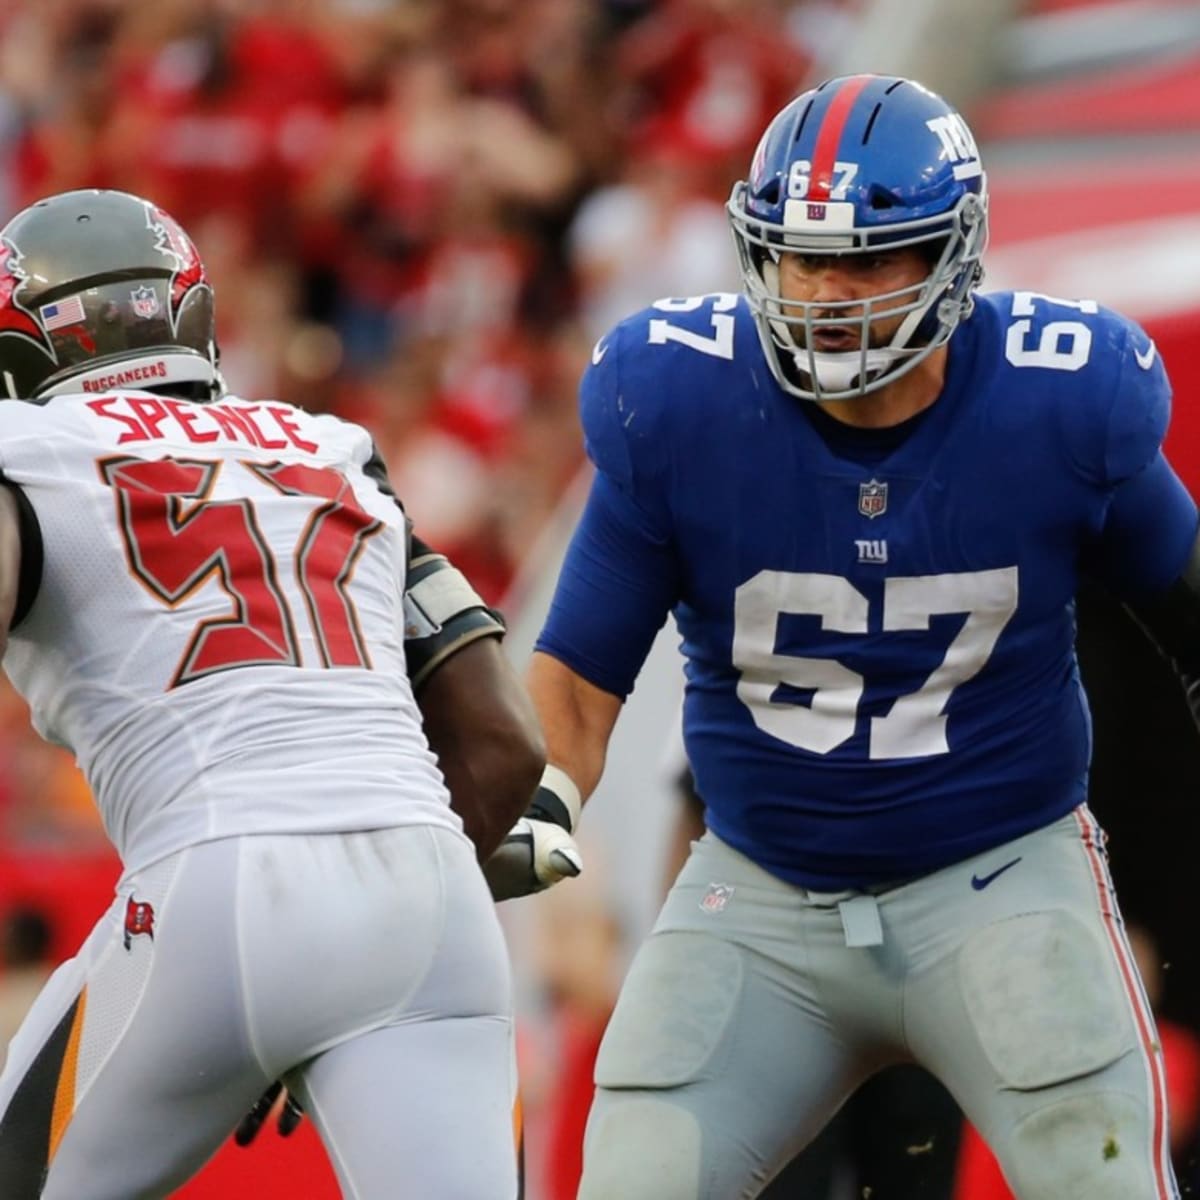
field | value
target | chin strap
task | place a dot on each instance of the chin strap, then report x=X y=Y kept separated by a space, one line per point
x=840 y=372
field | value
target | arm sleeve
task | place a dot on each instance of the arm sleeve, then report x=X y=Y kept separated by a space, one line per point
x=1147 y=535
x=1148 y=548
x=1149 y=520
x=620 y=577
x=618 y=582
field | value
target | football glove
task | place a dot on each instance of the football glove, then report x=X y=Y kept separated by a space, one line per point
x=539 y=849
x=290 y=1115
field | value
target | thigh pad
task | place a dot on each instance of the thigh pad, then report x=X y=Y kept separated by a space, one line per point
x=1044 y=998
x=679 y=998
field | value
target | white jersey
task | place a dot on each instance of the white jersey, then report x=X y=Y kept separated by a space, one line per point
x=218 y=633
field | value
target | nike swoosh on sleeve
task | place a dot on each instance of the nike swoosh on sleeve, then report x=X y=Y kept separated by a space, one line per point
x=1145 y=357
x=601 y=349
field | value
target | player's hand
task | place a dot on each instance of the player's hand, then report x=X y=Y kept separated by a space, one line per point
x=539 y=849
x=290 y=1115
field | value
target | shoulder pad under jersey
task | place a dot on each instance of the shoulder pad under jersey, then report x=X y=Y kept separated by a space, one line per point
x=1098 y=371
x=655 y=367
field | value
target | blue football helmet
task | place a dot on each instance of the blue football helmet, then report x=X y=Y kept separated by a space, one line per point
x=859 y=165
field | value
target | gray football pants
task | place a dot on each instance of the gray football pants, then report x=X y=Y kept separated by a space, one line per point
x=755 y=1008
x=367 y=969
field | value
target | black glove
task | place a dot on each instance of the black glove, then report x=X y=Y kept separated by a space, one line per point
x=539 y=849
x=290 y=1115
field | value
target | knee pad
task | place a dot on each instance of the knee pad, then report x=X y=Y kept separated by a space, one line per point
x=1044 y=999
x=1088 y=1146
x=640 y=1148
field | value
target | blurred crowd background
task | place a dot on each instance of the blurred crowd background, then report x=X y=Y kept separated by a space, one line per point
x=420 y=214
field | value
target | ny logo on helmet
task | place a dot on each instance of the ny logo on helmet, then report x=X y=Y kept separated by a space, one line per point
x=958 y=144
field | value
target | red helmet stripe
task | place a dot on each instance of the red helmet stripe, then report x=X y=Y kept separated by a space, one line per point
x=830 y=134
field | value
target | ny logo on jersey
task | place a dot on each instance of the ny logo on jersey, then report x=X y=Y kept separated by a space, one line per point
x=871 y=550
x=872 y=498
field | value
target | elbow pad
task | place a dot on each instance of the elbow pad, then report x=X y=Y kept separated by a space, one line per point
x=1172 y=619
x=442 y=614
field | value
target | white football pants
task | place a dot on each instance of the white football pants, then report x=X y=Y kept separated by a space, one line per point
x=368 y=970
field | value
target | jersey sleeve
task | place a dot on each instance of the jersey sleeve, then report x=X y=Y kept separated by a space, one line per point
x=1116 y=427
x=621 y=409
x=620 y=576
x=1150 y=520
x=1149 y=529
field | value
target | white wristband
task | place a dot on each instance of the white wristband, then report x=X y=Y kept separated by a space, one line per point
x=556 y=780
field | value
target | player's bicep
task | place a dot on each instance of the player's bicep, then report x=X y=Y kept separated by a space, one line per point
x=20 y=557
x=618 y=581
x=1148 y=532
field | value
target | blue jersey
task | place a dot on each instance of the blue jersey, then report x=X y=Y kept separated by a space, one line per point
x=878 y=625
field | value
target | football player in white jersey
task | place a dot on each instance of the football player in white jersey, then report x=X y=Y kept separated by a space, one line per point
x=298 y=727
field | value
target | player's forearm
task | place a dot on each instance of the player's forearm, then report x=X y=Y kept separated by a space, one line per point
x=480 y=724
x=577 y=719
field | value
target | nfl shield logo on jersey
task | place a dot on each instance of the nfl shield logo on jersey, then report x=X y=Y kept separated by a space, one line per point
x=717 y=896
x=872 y=498
x=144 y=301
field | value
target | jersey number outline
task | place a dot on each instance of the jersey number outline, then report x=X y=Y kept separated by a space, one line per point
x=717 y=345
x=915 y=726
x=174 y=548
x=1061 y=346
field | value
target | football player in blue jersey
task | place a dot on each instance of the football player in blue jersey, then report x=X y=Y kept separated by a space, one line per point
x=867 y=493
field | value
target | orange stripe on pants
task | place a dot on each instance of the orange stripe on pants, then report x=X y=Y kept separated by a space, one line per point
x=64 y=1095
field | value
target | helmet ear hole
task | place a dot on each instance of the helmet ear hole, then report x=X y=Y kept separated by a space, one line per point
x=770 y=193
